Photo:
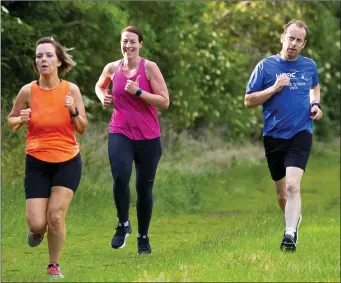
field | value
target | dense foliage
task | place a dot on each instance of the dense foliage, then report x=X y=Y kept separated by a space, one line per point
x=205 y=50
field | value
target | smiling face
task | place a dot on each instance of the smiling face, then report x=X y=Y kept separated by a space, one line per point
x=46 y=60
x=293 y=41
x=130 y=45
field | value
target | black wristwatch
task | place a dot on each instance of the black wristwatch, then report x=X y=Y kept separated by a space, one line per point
x=76 y=114
x=315 y=103
x=138 y=92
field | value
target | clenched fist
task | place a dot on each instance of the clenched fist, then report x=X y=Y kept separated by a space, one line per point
x=107 y=100
x=25 y=115
x=131 y=86
x=70 y=103
x=281 y=81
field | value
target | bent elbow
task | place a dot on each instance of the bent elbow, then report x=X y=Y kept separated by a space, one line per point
x=165 y=104
x=247 y=102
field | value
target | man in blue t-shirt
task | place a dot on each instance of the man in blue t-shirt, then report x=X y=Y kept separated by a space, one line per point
x=287 y=86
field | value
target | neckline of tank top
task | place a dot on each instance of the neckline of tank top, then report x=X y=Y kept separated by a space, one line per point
x=38 y=84
x=138 y=69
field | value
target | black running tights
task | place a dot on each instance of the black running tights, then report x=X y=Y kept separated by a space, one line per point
x=146 y=155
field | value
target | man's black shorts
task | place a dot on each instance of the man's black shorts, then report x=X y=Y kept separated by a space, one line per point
x=282 y=153
x=41 y=176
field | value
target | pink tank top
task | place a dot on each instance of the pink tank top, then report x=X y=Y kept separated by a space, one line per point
x=133 y=117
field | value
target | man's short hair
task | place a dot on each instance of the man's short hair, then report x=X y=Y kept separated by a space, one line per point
x=298 y=23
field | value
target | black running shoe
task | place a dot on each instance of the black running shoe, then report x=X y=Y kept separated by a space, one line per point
x=143 y=246
x=289 y=243
x=122 y=233
x=297 y=226
x=34 y=239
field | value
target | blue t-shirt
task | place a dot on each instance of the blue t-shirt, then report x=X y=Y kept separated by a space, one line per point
x=287 y=112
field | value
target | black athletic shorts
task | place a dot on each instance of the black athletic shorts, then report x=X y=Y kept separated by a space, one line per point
x=282 y=153
x=41 y=176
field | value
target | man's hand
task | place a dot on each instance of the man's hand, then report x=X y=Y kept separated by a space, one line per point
x=316 y=113
x=281 y=81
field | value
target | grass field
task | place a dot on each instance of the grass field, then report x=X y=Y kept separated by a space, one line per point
x=215 y=219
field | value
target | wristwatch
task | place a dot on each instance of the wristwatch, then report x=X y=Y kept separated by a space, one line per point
x=315 y=103
x=138 y=92
x=76 y=113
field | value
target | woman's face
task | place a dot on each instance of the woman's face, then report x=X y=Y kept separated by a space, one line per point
x=46 y=60
x=130 y=45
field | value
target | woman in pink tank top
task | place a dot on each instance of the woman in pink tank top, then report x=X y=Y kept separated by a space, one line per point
x=138 y=88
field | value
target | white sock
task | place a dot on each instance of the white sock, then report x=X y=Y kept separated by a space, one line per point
x=290 y=231
x=139 y=235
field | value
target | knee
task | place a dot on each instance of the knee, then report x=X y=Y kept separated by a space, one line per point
x=36 y=224
x=145 y=195
x=55 y=218
x=293 y=187
x=121 y=180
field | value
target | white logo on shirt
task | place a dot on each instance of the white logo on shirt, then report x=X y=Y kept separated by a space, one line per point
x=290 y=75
x=296 y=83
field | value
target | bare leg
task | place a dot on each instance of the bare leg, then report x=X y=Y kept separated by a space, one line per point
x=293 y=205
x=36 y=214
x=281 y=193
x=59 y=202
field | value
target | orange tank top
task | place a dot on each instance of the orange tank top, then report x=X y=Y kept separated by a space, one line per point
x=51 y=135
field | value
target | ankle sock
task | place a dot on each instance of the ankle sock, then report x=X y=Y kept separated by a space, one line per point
x=290 y=231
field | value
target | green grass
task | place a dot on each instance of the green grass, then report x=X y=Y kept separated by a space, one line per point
x=215 y=219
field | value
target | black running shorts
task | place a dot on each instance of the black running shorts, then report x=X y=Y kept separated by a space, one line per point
x=282 y=153
x=41 y=176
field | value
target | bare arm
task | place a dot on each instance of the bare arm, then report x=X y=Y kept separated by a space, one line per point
x=103 y=82
x=159 y=98
x=80 y=122
x=20 y=112
x=315 y=94
x=259 y=97
x=316 y=112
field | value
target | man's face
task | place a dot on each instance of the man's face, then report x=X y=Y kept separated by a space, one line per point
x=293 y=41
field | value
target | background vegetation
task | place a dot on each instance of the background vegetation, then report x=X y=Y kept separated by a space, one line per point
x=205 y=50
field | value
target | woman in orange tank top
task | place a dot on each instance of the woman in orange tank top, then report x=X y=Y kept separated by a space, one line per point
x=53 y=110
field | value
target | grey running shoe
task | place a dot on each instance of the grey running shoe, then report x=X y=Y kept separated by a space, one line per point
x=53 y=270
x=34 y=239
